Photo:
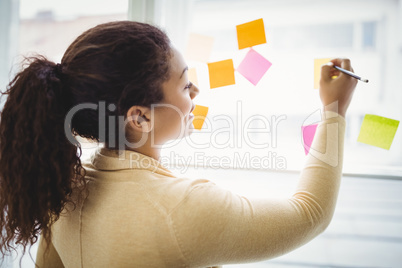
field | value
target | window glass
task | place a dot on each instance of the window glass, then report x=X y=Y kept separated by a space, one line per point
x=369 y=34
x=48 y=27
x=297 y=32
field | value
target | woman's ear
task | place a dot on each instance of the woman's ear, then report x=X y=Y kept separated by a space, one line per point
x=139 y=118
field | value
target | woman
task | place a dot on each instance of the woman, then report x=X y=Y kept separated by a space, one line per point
x=123 y=84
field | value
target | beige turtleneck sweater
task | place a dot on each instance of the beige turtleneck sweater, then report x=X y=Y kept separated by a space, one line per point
x=138 y=214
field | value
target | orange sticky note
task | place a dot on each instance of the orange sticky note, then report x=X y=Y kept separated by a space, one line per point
x=192 y=76
x=200 y=113
x=199 y=47
x=317 y=70
x=221 y=73
x=251 y=33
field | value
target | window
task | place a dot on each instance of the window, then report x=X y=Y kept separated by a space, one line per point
x=297 y=32
x=49 y=27
x=369 y=34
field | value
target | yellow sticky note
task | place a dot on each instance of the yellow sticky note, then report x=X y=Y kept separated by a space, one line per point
x=199 y=47
x=221 y=73
x=378 y=131
x=192 y=76
x=200 y=113
x=317 y=70
x=251 y=33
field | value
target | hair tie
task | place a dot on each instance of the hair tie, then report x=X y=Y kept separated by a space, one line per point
x=58 y=70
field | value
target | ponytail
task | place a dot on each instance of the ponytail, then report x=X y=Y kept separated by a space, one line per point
x=39 y=166
x=123 y=63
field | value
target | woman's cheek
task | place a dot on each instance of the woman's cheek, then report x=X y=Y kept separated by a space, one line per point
x=175 y=126
x=187 y=107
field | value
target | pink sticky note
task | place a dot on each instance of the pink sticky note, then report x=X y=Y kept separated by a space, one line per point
x=253 y=66
x=308 y=136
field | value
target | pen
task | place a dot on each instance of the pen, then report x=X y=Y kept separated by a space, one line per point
x=351 y=74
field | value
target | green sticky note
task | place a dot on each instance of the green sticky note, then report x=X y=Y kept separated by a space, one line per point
x=378 y=131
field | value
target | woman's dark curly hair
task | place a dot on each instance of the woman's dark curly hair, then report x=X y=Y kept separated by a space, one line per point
x=122 y=63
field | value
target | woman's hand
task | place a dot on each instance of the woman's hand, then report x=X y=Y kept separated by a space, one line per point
x=339 y=89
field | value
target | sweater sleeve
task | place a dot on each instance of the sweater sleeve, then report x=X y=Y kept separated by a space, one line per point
x=214 y=226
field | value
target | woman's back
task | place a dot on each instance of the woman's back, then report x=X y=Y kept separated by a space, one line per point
x=136 y=213
x=123 y=221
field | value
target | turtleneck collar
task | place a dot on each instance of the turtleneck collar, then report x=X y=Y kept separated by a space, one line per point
x=109 y=159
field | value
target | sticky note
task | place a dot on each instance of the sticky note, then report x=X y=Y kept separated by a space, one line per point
x=221 y=73
x=378 y=131
x=253 y=66
x=200 y=113
x=308 y=136
x=192 y=76
x=251 y=33
x=199 y=47
x=317 y=70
